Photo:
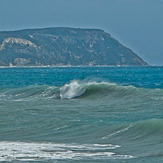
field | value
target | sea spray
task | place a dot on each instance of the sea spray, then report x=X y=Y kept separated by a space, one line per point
x=72 y=90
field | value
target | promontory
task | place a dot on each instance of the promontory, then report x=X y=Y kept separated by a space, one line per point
x=61 y=46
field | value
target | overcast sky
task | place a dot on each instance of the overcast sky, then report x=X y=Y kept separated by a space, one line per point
x=138 y=24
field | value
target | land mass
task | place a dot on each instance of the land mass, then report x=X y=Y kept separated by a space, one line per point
x=64 y=47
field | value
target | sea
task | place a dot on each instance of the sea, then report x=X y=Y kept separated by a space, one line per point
x=81 y=114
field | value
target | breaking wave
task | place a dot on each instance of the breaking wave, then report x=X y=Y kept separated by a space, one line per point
x=76 y=89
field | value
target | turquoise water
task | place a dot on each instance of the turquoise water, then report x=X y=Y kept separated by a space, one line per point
x=81 y=114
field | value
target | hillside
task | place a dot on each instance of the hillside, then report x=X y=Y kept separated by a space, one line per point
x=64 y=47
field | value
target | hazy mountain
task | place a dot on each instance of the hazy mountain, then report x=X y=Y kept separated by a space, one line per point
x=63 y=47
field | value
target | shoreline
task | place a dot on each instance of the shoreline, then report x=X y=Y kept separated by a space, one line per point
x=76 y=66
x=1 y=67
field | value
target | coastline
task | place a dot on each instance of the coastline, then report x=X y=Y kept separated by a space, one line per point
x=69 y=66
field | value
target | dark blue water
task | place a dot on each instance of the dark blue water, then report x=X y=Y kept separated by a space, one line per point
x=81 y=114
x=146 y=77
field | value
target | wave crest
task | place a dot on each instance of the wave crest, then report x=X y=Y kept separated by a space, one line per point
x=80 y=89
x=29 y=93
x=72 y=90
x=94 y=89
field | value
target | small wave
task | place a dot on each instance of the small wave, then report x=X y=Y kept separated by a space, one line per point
x=22 y=151
x=150 y=127
x=32 y=92
x=144 y=130
x=140 y=131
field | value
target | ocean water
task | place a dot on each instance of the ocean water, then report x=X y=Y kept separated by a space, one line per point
x=81 y=114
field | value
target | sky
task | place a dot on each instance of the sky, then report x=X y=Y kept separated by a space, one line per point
x=137 y=24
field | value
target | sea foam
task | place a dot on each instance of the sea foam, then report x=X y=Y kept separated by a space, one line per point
x=72 y=90
x=23 y=151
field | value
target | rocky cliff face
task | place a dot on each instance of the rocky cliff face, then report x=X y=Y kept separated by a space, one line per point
x=64 y=47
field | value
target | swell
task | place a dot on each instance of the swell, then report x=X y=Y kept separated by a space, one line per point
x=141 y=139
x=147 y=130
x=141 y=130
x=79 y=89
x=32 y=92
x=138 y=135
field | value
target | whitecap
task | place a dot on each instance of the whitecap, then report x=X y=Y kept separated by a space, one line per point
x=72 y=90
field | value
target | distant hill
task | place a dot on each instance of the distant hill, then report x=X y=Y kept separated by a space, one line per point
x=64 y=47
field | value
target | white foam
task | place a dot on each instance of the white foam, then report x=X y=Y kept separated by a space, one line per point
x=157 y=98
x=72 y=90
x=22 y=151
x=117 y=132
